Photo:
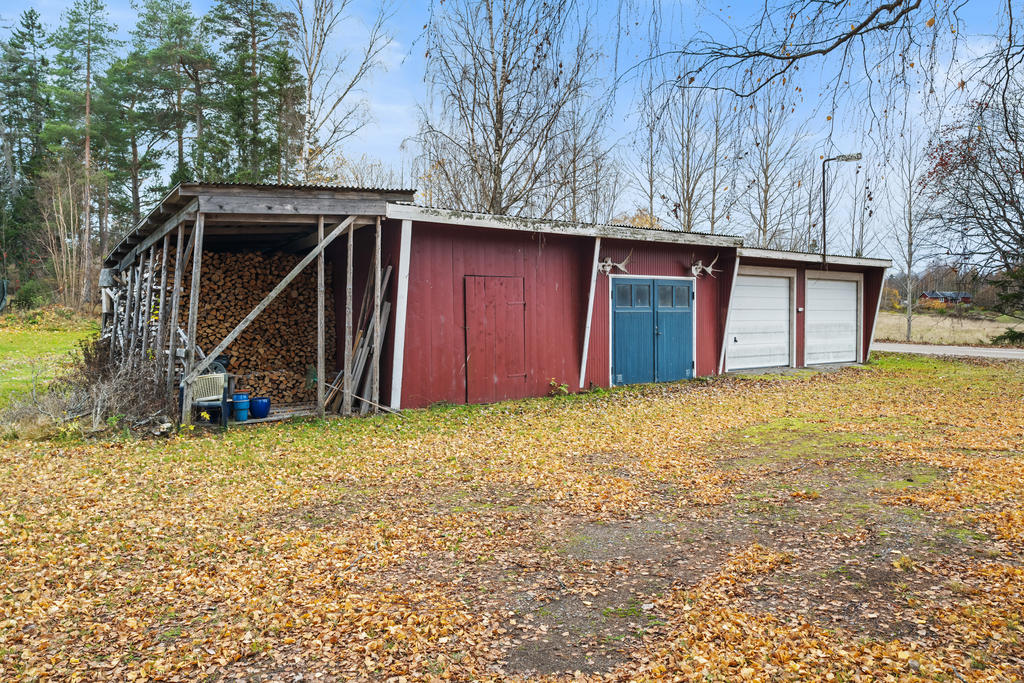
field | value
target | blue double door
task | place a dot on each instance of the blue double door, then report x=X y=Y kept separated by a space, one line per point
x=652 y=330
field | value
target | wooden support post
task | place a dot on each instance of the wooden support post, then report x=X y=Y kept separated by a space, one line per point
x=161 y=319
x=346 y=396
x=172 y=327
x=321 y=362
x=375 y=368
x=147 y=304
x=113 y=323
x=136 y=309
x=193 y=321
x=247 y=320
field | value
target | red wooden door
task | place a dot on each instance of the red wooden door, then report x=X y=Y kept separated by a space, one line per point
x=495 y=338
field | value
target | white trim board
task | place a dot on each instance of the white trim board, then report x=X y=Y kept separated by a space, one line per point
x=537 y=225
x=728 y=312
x=611 y=316
x=590 y=312
x=401 y=314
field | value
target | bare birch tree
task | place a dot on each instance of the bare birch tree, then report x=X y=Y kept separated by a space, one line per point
x=61 y=193
x=506 y=79
x=646 y=158
x=862 y=211
x=587 y=168
x=690 y=157
x=333 y=110
x=908 y=240
x=771 y=200
x=699 y=140
x=363 y=171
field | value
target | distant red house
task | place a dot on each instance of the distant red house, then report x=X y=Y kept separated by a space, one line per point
x=946 y=297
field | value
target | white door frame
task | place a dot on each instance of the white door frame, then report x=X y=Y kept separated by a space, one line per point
x=838 y=275
x=611 y=315
x=767 y=271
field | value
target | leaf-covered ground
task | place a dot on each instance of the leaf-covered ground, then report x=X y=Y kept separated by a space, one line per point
x=860 y=525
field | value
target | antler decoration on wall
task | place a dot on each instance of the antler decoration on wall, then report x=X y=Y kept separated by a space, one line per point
x=699 y=267
x=607 y=265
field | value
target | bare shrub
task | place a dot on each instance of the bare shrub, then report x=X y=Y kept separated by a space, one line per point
x=93 y=395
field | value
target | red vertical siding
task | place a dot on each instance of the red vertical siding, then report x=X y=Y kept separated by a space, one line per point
x=665 y=260
x=555 y=272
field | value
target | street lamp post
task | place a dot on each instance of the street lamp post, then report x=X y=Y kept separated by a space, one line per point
x=838 y=157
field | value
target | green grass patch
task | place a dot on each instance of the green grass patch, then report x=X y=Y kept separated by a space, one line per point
x=35 y=352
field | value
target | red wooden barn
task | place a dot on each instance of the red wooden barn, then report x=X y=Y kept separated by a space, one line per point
x=493 y=307
x=476 y=308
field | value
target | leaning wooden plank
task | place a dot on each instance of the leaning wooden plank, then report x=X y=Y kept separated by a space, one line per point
x=357 y=365
x=161 y=321
x=147 y=301
x=112 y=343
x=179 y=266
x=386 y=310
x=247 y=320
x=332 y=390
x=136 y=309
x=193 y=322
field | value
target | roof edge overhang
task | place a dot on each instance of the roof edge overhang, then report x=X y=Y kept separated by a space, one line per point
x=402 y=211
x=185 y=199
x=803 y=257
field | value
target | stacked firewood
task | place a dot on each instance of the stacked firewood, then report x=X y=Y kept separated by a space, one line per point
x=275 y=355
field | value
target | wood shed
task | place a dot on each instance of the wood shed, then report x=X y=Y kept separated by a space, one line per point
x=410 y=305
x=265 y=282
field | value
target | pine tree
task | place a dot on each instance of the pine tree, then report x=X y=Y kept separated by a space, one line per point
x=248 y=123
x=24 y=107
x=84 y=43
x=169 y=45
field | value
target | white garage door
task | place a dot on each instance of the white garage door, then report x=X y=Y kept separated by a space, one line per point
x=830 y=323
x=759 y=323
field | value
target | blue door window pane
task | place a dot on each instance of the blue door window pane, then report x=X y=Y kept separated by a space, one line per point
x=664 y=296
x=682 y=296
x=623 y=297
x=641 y=296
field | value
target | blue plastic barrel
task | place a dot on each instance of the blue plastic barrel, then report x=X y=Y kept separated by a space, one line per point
x=240 y=401
x=259 y=407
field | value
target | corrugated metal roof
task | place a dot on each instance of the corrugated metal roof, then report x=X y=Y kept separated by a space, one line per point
x=300 y=186
x=558 y=221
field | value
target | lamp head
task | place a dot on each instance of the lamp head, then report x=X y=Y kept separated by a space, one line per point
x=849 y=157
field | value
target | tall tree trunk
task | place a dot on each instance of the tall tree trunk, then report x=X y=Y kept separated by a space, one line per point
x=87 y=217
x=179 y=116
x=104 y=236
x=136 y=181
